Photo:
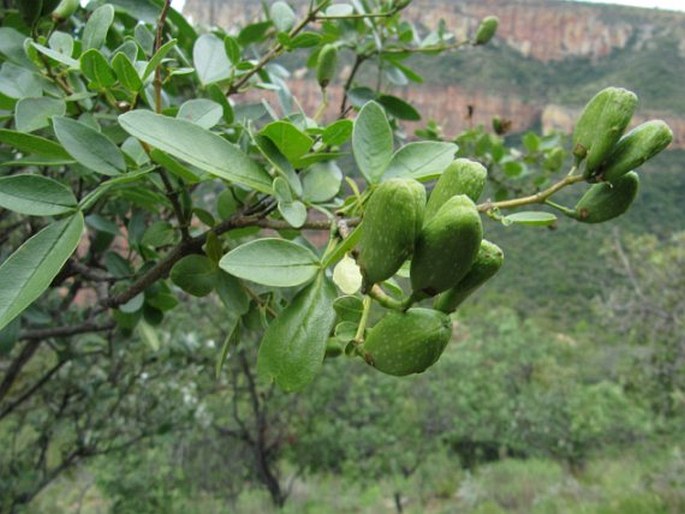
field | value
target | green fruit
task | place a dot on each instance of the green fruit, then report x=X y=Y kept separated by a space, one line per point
x=65 y=9
x=488 y=262
x=461 y=177
x=326 y=65
x=607 y=200
x=446 y=247
x=635 y=148
x=601 y=125
x=409 y=342
x=486 y=30
x=392 y=220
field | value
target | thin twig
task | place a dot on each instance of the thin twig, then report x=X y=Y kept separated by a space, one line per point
x=539 y=197
x=275 y=50
x=158 y=43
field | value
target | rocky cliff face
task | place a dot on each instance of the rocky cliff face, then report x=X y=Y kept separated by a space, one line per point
x=548 y=31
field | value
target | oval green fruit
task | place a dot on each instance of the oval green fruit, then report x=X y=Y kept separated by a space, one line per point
x=601 y=125
x=635 y=148
x=486 y=30
x=488 y=262
x=326 y=65
x=446 y=247
x=461 y=177
x=65 y=9
x=409 y=342
x=391 y=223
x=605 y=201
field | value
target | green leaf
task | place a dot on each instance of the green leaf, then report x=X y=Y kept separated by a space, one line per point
x=399 y=108
x=34 y=113
x=349 y=308
x=305 y=40
x=337 y=133
x=279 y=162
x=173 y=166
x=35 y=195
x=210 y=59
x=295 y=213
x=158 y=57
x=197 y=146
x=28 y=272
x=532 y=218
x=272 y=262
x=57 y=56
x=149 y=335
x=12 y=46
x=282 y=16
x=253 y=32
x=96 y=69
x=126 y=72
x=204 y=113
x=195 y=274
x=340 y=10
x=294 y=344
x=513 y=169
x=160 y=233
x=61 y=42
x=372 y=143
x=31 y=144
x=89 y=147
x=343 y=247
x=290 y=140
x=321 y=182
x=422 y=160
x=215 y=93
x=232 y=294
x=95 y=31
x=17 y=82
x=232 y=49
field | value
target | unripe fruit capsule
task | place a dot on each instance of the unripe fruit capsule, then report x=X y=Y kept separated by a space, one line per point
x=446 y=247
x=488 y=262
x=601 y=125
x=461 y=177
x=635 y=148
x=409 y=342
x=486 y=30
x=326 y=65
x=605 y=201
x=391 y=223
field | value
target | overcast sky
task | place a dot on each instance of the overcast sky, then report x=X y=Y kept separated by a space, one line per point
x=674 y=5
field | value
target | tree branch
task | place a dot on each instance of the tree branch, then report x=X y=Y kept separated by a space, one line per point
x=539 y=197
x=39 y=335
x=276 y=49
x=17 y=365
x=158 y=43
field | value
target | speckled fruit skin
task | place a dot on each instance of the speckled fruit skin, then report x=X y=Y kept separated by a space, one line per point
x=409 y=342
x=486 y=30
x=601 y=125
x=461 y=177
x=635 y=148
x=488 y=262
x=605 y=201
x=446 y=247
x=392 y=220
x=326 y=65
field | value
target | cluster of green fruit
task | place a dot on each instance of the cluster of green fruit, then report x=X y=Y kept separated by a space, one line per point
x=443 y=236
x=449 y=260
x=606 y=156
